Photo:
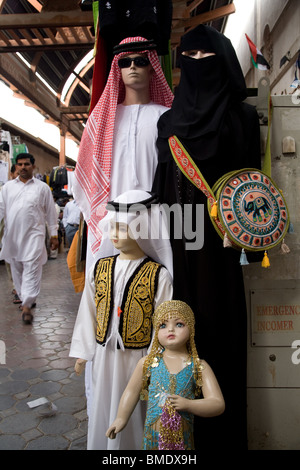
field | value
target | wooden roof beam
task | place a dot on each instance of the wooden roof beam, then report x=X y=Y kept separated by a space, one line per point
x=47 y=20
x=74 y=109
x=23 y=46
x=181 y=10
x=38 y=35
x=194 y=5
x=4 y=38
x=35 y=4
x=77 y=81
x=34 y=65
x=2 y=3
x=206 y=17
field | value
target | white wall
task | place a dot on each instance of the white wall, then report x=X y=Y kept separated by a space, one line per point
x=255 y=18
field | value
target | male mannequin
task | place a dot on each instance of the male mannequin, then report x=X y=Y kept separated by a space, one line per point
x=118 y=148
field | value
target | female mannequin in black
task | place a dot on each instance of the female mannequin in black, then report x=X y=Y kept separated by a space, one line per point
x=221 y=133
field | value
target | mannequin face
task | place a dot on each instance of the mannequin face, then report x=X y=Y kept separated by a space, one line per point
x=173 y=334
x=135 y=76
x=122 y=241
x=196 y=54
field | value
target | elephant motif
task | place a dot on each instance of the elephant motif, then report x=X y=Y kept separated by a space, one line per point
x=256 y=206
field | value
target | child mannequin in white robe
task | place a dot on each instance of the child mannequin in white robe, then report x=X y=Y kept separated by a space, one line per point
x=112 y=362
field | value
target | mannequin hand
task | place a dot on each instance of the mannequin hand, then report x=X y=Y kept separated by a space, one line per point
x=79 y=366
x=179 y=403
x=115 y=427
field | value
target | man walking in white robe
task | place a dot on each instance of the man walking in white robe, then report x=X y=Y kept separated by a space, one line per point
x=26 y=204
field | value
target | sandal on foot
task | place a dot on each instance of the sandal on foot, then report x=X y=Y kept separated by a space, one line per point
x=16 y=299
x=27 y=318
x=32 y=306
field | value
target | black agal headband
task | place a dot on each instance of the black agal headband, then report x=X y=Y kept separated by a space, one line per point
x=134 y=46
x=132 y=206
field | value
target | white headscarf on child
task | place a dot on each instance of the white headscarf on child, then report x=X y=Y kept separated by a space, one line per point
x=147 y=221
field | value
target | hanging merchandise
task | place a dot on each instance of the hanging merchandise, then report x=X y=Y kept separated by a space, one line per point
x=6 y=142
x=4 y=171
x=5 y=159
x=60 y=179
x=296 y=81
x=151 y=19
x=70 y=176
x=39 y=176
x=101 y=69
x=18 y=147
x=246 y=208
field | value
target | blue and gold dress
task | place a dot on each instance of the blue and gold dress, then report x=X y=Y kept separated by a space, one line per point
x=165 y=428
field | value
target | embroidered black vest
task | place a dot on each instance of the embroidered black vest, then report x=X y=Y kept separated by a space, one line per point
x=137 y=304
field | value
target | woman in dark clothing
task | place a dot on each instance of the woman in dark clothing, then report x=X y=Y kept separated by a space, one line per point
x=221 y=133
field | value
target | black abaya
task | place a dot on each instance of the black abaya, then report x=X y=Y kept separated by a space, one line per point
x=221 y=134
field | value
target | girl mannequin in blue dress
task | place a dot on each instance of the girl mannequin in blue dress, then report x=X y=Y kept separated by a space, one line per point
x=176 y=383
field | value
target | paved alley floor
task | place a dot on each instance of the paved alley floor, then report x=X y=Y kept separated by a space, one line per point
x=36 y=365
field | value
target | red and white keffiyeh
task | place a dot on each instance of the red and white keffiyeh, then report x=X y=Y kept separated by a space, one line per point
x=93 y=168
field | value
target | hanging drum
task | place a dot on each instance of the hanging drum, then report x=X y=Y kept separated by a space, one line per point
x=251 y=210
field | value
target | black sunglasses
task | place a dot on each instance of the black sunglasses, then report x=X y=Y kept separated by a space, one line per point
x=126 y=62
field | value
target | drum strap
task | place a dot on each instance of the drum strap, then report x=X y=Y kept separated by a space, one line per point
x=189 y=168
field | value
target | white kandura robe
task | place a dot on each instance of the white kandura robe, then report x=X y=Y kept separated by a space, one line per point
x=26 y=208
x=134 y=158
x=111 y=367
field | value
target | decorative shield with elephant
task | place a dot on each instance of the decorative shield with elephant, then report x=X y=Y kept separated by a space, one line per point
x=251 y=210
x=245 y=206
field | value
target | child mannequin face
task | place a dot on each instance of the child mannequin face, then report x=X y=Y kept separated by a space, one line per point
x=173 y=333
x=122 y=241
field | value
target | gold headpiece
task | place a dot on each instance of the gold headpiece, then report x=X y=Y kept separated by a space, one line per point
x=165 y=311
x=172 y=309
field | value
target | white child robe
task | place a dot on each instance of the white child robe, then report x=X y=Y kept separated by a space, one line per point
x=112 y=367
x=134 y=158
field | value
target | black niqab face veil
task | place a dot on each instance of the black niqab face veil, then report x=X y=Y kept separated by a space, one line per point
x=208 y=88
x=210 y=40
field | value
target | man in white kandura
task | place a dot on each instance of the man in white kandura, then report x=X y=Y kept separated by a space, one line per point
x=26 y=204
